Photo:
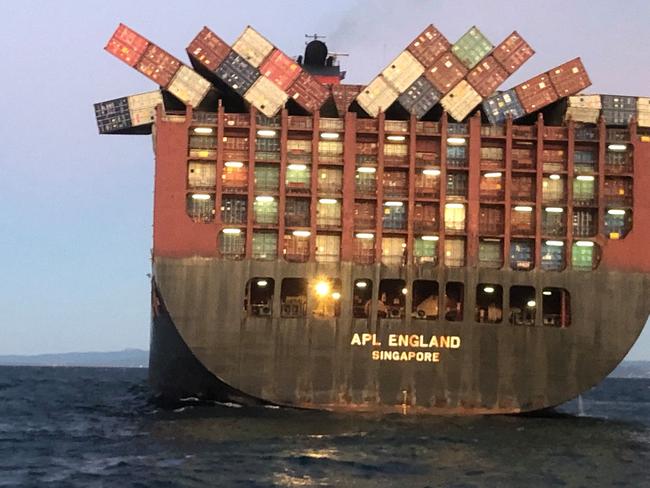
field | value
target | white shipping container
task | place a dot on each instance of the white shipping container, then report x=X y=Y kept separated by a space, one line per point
x=392 y=250
x=403 y=71
x=142 y=107
x=252 y=46
x=643 y=119
x=455 y=217
x=585 y=115
x=188 y=86
x=643 y=104
x=461 y=100
x=299 y=146
x=455 y=252
x=266 y=97
x=585 y=101
x=378 y=95
x=327 y=248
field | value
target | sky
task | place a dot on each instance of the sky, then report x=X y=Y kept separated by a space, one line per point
x=76 y=207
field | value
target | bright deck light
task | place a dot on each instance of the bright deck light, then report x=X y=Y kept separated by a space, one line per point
x=366 y=169
x=555 y=243
x=297 y=167
x=395 y=138
x=322 y=288
x=336 y=295
x=547 y=293
x=327 y=201
x=617 y=147
x=394 y=204
x=523 y=208
x=362 y=284
x=200 y=196
x=456 y=141
x=554 y=209
x=616 y=211
x=301 y=233
x=496 y=174
x=266 y=133
x=585 y=178
x=488 y=289
x=330 y=136
x=364 y=235
x=584 y=244
x=431 y=172
x=262 y=283
x=234 y=164
x=555 y=177
x=232 y=231
x=264 y=199
x=203 y=130
x=430 y=238
x=531 y=303
x=454 y=205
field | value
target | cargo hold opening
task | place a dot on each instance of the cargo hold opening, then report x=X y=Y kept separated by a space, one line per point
x=425 y=299
x=392 y=294
x=523 y=305
x=293 y=297
x=259 y=297
x=489 y=303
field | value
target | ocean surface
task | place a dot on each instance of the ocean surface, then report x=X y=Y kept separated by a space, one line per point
x=92 y=427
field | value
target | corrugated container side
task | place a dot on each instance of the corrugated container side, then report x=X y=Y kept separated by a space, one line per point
x=513 y=52
x=643 y=119
x=252 y=46
x=643 y=104
x=280 y=69
x=403 y=71
x=584 y=115
x=460 y=101
x=618 y=102
x=569 y=78
x=142 y=107
x=112 y=115
x=189 y=87
x=127 y=45
x=420 y=97
x=378 y=95
x=265 y=96
x=344 y=95
x=585 y=101
x=429 y=46
x=536 y=93
x=158 y=65
x=237 y=73
x=446 y=72
x=486 y=76
x=308 y=92
x=617 y=116
x=209 y=49
x=472 y=47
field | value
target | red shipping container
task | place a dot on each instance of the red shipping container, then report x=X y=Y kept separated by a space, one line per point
x=158 y=65
x=429 y=46
x=536 y=93
x=513 y=52
x=127 y=45
x=569 y=78
x=446 y=73
x=486 y=76
x=308 y=93
x=344 y=95
x=280 y=69
x=208 y=49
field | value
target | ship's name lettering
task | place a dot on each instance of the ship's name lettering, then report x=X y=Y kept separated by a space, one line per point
x=408 y=340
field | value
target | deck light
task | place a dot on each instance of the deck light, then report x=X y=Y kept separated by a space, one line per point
x=266 y=133
x=336 y=295
x=554 y=209
x=456 y=141
x=523 y=208
x=430 y=238
x=362 y=284
x=554 y=177
x=322 y=288
x=547 y=293
x=555 y=243
x=617 y=147
x=531 y=303
x=200 y=196
x=454 y=205
x=234 y=164
x=493 y=175
x=364 y=235
x=616 y=211
x=585 y=178
x=366 y=169
x=394 y=204
x=232 y=231
x=329 y=135
x=404 y=291
x=297 y=167
x=488 y=289
x=264 y=199
x=431 y=172
x=301 y=233
x=327 y=201
x=262 y=283
x=396 y=138
x=203 y=130
x=584 y=244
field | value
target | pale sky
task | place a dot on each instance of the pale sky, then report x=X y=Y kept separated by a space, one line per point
x=75 y=231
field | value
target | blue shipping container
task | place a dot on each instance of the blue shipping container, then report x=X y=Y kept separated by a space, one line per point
x=113 y=115
x=500 y=105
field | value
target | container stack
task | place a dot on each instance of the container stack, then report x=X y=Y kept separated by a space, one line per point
x=158 y=65
x=618 y=110
x=583 y=108
x=121 y=114
x=643 y=111
x=258 y=71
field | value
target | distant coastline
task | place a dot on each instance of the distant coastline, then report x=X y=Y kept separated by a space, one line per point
x=127 y=358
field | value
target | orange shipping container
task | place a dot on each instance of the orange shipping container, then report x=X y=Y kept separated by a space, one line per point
x=446 y=72
x=513 y=52
x=209 y=49
x=486 y=76
x=127 y=45
x=158 y=65
x=536 y=93
x=569 y=78
x=280 y=69
x=429 y=46
x=308 y=92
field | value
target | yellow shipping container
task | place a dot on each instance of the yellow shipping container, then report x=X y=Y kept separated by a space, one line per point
x=403 y=71
x=461 y=100
x=585 y=101
x=643 y=111
x=378 y=95
x=252 y=46
x=266 y=97
x=188 y=86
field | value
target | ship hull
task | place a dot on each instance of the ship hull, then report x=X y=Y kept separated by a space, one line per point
x=203 y=344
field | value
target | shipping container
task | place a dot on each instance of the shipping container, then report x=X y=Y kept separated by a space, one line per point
x=486 y=76
x=298 y=179
x=584 y=159
x=523 y=188
x=501 y=105
x=393 y=251
x=524 y=157
x=553 y=222
x=585 y=222
x=208 y=49
x=237 y=73
x=202 y=142
x=429 y=46
x=472 y=47
x=552 y=256
x=265 y=210
x=446 y=72
x=377 y=97
x=617 y=225
x=618 y=110
x=583 y=108
x=200 y=210
x=619 y=162
x=232 y=246
x=296 y=248
x=236 y=120
x=234 y=210
x=396 y=126
x=553 y=190
x=235 y=180
x=396 y=153
x=425 y=250
x=307 y=92
x=428 y=128
x=252 y=46
x=403 y=71
x=492 y=157
x=158 y=65
x=297 y=212
x=280 y=69
x=344 y=95
x=490 y=253
x=395 y=183
x=328 y=248
x=457 y=156
x=142 y=107
x=267 y=149
x=513 y=52
x=425 y=217
x=554 y=158
x=330 y=180
x=113 y=115
x=618 y=191
x=265 y=245
x=569 y=78
x=455 y=252
x=454 y=217
x=420 y=97
x=127 y=45
x=201 y=174
x=364 y=250
x=267 y=178
x=461 y=100
x=328 y=212
x=491 y=186
x=331 y=124
x=189 y=87
x=491 y=220
x=457 y=184
x=364 y=215
x=365 y=184
x=536 y=93
x=584 y=257
x=522 y=254
x=643 y=111
x=265 y=96
x=394 y=216
x=427 y=185
x=522 y=221
x=367 y=125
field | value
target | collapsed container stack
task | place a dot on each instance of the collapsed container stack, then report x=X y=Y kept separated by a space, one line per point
x=127 y=112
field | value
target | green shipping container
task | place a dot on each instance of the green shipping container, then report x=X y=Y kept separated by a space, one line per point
x=582 y=258
x=425 y=251
x=267 y=178
x=265 y=245
x=472 y=47
x=266 y=212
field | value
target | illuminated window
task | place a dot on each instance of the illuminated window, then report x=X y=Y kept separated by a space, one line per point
x=361 y=298
x=325 y=296
x=259 y=297
x=523 y=305
x=293 y=297
x=489 y=303
x=392 y=298
x=556 y=307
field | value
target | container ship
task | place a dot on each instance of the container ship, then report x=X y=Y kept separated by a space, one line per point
x=425 y=243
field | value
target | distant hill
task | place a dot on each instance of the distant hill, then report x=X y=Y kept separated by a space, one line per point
x=128 y=358
x=632 y=369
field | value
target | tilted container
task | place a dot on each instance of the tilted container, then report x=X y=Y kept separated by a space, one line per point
x=280 y=69
x=344 y=95
x=618 y=110
x=513 y=52
x=158 y=65
x=127 y=45
x=569 y=78
x=377 y=96
x=189 y=87
x=472 y=47
x=583 y=108
x=429 y=46
x=536 y=93
x=501 y=105
x=237 y=73
x=113 y=115
x=208 y=49
x=446 y=72
x=403 y=71
x=420 y=97
x=266 y=96
x=142 y=107
x=460 y=101
x=252 y=46
x=308 y=93
x=487 y=76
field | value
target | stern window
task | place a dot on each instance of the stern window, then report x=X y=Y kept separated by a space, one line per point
x=293 y=297
x=259 y=297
